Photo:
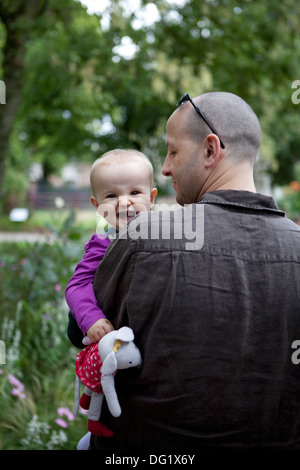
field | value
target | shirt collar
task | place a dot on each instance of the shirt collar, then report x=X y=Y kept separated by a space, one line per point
x=243 y=199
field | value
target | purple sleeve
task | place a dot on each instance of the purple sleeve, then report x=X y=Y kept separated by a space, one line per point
x=79 y=293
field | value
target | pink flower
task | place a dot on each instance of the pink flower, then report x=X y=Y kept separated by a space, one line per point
x=61 y=422
x=57 y=287
x=61 y=411
x=15 y=392
x=18 y=393
x=65 y=412
x=18 y=387
x=16 y=382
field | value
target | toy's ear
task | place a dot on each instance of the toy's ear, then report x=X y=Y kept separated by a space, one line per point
x=109 y=365
x=124 y=334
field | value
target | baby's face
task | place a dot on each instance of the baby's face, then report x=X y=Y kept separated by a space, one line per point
x=124 y=190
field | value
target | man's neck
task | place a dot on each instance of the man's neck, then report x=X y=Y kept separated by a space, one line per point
x=239 y=178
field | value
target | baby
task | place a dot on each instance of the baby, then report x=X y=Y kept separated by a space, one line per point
x=122 y=186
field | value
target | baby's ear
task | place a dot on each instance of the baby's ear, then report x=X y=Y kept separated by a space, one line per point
x=153 y=195
x=94 y=202
x=109 y=365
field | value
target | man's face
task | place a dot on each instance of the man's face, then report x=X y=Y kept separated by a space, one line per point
x=183 y=161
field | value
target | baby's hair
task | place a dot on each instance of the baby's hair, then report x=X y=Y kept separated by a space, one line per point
x=119 y=156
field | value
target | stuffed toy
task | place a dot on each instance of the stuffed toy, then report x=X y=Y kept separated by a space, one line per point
x=96 y=366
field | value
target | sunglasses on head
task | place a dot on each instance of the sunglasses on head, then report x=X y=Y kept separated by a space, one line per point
x=187 y=97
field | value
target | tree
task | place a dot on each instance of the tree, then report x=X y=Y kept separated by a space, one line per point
x=77 y=95
x=18 y=18
x=74 y=86
x=63 y=95
x=251 y=49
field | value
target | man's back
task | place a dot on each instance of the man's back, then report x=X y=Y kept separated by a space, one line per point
x=215 y=325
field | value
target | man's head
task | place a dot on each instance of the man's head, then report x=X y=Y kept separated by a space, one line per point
x=196 y=160
x=122 y=185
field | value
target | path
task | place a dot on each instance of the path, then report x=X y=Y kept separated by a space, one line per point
x=30 y=237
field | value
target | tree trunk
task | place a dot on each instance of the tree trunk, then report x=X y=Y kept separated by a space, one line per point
x=18 y=19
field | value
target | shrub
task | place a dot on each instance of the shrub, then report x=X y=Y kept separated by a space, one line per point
x=290 y=201
x=38 y=377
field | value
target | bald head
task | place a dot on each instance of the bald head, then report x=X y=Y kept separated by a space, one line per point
x=232 y=118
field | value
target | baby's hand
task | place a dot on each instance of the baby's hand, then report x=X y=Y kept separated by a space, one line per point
x=99 y=329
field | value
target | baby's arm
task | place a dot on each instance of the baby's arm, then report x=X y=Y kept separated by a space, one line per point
x=80 y=294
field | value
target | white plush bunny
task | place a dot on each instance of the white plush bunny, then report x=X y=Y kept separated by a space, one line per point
x=96 y=367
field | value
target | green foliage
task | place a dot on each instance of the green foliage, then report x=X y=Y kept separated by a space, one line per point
x=14 y=190
x=76 y=81
x=249 y=48
x=290 y=201
x=61 y=93
x=37 y=381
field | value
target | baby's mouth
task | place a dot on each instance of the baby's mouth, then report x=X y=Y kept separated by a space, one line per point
x=126 y=216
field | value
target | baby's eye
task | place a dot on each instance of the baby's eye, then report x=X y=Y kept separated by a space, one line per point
x=134 y=193
x=110 y=196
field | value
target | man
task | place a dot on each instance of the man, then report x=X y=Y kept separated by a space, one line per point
x=212 y=292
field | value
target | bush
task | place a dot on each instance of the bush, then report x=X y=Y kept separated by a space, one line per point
x=37 y=380
x=290 y=201
x=14 y=191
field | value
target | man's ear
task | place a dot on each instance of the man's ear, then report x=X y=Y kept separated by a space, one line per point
x=94 y=202
x=212 y=150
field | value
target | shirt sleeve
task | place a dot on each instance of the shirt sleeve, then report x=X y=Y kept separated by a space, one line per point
x=112 y=281
x=79 y=293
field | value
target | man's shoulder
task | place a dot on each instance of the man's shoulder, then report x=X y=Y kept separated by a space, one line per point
x=175 y=216
x=150 y=221
x=167 y=229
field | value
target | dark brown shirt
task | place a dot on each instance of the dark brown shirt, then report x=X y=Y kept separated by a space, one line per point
x=212 y=293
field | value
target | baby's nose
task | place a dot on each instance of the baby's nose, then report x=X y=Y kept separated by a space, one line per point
x=124 y=201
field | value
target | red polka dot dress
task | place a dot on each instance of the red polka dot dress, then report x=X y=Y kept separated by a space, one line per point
x=87 y=366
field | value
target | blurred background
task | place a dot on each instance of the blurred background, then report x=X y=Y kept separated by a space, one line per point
x=79 y=78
